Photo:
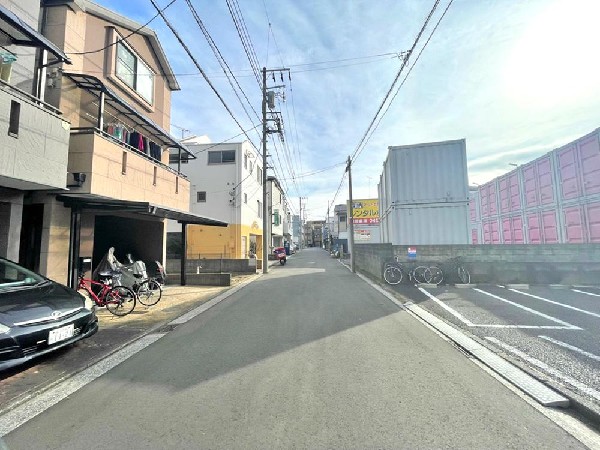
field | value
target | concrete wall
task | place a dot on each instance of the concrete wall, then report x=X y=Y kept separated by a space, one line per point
x=211 y=266
x=535 y=264
x=203 y=279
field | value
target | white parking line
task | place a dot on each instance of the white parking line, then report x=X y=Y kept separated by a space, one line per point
x=583 y=311
x=542 y=365
x=586 y=293
x=532 y=311
x=456 y=314
x=467 y=322
x=571 y=347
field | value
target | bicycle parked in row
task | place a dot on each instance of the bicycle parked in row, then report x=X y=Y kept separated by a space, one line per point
x=118 y=300
x=394 y=272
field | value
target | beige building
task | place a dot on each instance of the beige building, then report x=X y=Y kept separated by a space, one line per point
x=119 y=188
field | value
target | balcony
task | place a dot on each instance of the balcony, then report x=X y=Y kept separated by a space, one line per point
x=116 y=170
x=114 y=164
x=34 y=142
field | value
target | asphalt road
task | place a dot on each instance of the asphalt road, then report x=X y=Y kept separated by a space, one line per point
x=554 y=331
x=308 y=356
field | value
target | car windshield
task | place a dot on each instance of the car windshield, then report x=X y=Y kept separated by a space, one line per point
x=13 y=275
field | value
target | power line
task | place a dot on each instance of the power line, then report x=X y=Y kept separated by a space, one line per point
x=404 y=62
x=226 y=140
x=126 y=37
x=201 y=71
x=222 y=63
x=407 y=74
x=246 y=43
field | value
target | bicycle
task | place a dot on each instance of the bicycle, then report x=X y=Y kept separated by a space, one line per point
x=148 y=291
x=453 y=266
x=394 y=272
x=118 y=300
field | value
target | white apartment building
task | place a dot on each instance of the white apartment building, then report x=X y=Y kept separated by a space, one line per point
x=225 y=183
x=280 y=227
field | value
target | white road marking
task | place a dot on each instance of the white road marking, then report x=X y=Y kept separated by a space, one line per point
x=455 y=313
x=586 y=293
x=583 y=311
x=542 y=365
x=532 y=311
x=571 y=347
x=467 y=322
x=37 y=405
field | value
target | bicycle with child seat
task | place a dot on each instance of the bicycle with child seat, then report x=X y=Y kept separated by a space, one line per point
x=118 y=300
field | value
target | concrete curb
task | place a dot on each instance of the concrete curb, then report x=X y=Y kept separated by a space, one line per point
x=517 y=286
x=153 y=329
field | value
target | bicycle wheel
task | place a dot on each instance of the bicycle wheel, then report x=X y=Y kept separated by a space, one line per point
x=392 y=275
x=149 y=292
x=464 y=275
x=420 y=274
x=120 y=300
x=435 y=275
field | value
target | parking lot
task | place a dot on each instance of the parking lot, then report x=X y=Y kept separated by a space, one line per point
x=554 y=331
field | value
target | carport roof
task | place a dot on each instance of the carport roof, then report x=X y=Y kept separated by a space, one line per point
x=90 y=201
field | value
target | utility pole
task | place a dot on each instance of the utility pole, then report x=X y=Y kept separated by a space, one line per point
x=268 y=99
x=350 y=217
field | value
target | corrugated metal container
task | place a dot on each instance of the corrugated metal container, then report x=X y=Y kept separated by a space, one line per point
x=557 y=195
x=424 y=192
x=427 y=173
x=491 y=231
x=593 y=220
x=429 y=225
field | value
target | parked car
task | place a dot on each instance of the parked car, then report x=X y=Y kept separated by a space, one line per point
x=38 y=315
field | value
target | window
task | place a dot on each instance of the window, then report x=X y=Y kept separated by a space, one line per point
x=342 y=218
x=132 y=71
x=245 y=198
x=246 y=161
x=15 y=114
x=260 y=211
x=259 y=175
x=155 y=176
x=221 y=157
x=124 y=163
x=200 y=196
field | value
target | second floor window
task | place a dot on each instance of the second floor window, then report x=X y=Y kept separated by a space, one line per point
x=200 y=196
x=134 y=72
x=221 y=157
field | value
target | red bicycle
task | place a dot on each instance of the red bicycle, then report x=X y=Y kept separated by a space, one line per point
x=119 y=300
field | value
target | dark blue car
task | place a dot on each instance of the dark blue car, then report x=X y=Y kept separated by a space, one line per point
x=38 y=315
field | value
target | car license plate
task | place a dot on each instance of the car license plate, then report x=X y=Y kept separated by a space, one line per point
x=60 y=334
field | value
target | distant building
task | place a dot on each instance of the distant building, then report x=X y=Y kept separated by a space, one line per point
x=226 y=184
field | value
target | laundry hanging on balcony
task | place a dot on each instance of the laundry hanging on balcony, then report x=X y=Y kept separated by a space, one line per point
x=134 y=139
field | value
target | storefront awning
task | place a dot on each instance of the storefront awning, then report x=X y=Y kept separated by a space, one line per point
x=14 y=31
x=94 y=85
x=90 y=201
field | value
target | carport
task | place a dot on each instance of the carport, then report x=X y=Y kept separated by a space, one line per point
x=78 y=203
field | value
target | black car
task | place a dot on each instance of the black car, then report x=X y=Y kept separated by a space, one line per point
x=38 y=315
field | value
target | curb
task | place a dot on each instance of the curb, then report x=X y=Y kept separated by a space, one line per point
x=153 y=329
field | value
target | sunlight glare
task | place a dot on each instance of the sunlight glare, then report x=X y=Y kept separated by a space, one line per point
x=555 y=62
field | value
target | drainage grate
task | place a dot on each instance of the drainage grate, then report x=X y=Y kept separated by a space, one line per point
x=167 y=328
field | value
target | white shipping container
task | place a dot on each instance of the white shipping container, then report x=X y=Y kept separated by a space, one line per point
x=426 y=173
x=434 y=224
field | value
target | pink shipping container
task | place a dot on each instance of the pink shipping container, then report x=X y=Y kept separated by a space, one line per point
x=593 y=221
x=574 y=225
x=589 y=150
x=556 y=198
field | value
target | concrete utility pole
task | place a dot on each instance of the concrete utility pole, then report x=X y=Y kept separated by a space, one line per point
x=350 y=217
x=268 y=99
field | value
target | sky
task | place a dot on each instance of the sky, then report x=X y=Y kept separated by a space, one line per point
x=515 y=78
